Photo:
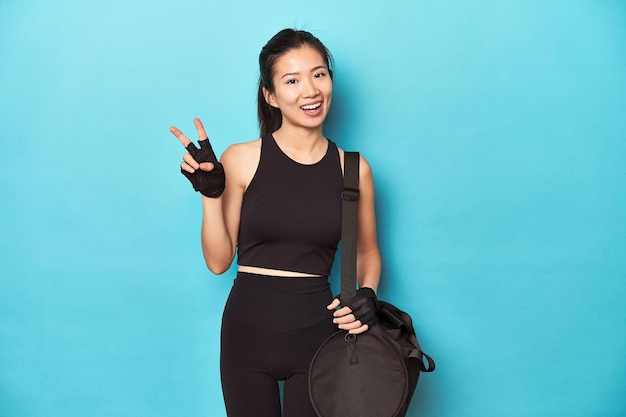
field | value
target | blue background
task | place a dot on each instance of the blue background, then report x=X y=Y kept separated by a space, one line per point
x=497 y=136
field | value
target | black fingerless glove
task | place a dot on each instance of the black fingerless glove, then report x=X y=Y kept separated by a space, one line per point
x=208 y=183
x=364 y=306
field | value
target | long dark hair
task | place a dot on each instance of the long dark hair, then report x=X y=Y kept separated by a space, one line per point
x=270 y=117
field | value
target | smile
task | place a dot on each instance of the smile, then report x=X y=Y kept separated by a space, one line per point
x=311 y=106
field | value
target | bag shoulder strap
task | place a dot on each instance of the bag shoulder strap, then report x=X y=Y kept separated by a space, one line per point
x=349 y=224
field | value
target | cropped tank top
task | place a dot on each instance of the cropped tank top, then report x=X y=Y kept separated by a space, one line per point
x=291 y=212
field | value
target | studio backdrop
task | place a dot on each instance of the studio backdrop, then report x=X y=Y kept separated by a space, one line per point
x=496 y=132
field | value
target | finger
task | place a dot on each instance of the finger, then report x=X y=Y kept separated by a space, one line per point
x=334 y=304
x=192 y=148
x=353 y=325
x=345 y=319
x=200 y=128
x=181 y=137
x=360 y=330
x=342 y=312
x=192 y=162
x=186 y=167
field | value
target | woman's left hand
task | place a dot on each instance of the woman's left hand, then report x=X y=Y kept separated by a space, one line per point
x=345 y=320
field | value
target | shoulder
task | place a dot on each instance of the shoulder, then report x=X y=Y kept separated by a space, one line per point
x=365 y=170
x=240 y=161
x=240 y=152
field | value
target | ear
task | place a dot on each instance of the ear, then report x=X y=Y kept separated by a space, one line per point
x=269 y=98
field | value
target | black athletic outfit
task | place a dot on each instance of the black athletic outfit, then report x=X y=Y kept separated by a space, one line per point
x=272 y=326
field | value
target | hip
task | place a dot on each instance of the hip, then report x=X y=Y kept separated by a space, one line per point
x=278 y=303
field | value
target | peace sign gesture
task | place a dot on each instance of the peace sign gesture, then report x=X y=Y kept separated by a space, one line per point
x=201 y=166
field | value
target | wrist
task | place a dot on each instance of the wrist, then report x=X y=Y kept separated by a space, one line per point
x=369 y=291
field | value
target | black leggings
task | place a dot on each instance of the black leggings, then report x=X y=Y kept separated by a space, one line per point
x=271 y=328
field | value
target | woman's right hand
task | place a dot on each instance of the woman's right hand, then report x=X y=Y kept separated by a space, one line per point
x=201 y=166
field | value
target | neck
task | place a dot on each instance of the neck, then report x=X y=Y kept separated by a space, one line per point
x=300 y=139
x=305 y=147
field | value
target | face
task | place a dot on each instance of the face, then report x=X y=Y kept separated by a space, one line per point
x=302 y=88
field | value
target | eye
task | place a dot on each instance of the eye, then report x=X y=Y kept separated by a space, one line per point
x=291 y=81
x=320 y=75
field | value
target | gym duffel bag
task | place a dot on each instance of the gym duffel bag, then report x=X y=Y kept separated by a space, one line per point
x=373 y=374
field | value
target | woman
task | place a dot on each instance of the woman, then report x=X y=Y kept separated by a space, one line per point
x=276 y=203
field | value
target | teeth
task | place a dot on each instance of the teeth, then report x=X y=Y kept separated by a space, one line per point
x=311 y=106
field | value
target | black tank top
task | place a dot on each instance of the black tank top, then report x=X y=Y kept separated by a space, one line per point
x=291 y=212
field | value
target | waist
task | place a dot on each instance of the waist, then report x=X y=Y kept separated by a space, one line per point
x=275 y=272
x=278 y=303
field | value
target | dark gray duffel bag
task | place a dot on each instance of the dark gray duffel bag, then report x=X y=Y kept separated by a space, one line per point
x=373 y=374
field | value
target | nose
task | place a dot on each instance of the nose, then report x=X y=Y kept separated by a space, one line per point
x=309 y=89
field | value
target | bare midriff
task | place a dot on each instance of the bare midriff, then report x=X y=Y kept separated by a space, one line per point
x=273 y=272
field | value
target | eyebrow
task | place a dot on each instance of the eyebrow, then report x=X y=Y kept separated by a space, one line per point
x=312 y=70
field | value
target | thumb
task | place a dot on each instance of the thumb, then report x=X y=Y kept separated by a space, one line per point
x=334 y=304
x=207 y=166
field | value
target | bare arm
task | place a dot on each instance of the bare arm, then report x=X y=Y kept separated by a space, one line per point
x=368 y=254
x=220 y=222
x=220 y=215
